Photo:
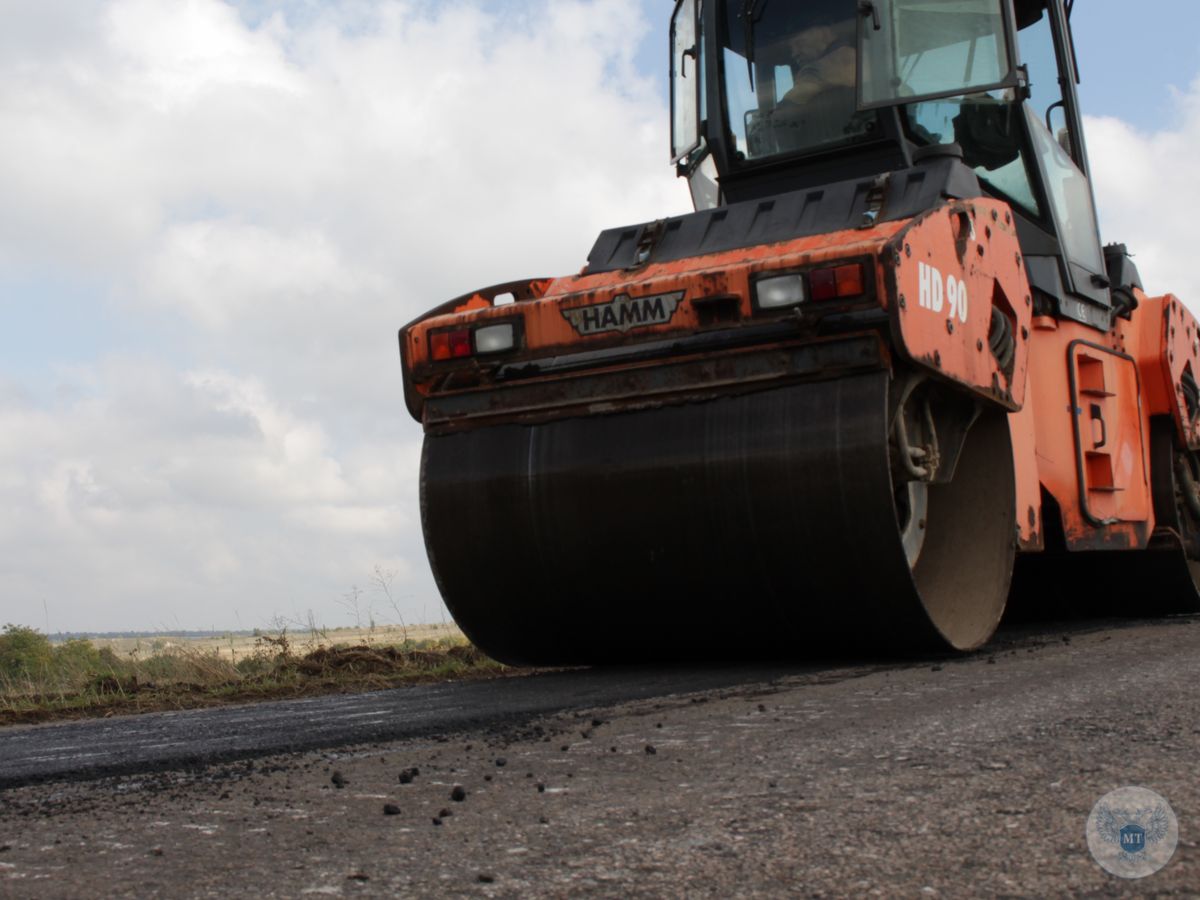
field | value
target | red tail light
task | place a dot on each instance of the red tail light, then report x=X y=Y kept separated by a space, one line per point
x=445 y=345
x=460 y=343
x=838 y=282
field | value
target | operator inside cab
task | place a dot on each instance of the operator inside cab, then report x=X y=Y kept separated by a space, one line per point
x=823 y=61
x=791 y=74
x=800 y=93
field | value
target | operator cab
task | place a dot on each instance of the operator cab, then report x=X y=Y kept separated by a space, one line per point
x=772 y=96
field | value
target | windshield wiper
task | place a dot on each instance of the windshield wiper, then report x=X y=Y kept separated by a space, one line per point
x=752 y=11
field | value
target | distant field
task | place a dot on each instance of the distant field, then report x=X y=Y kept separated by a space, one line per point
x=42 y=679
x=234 y=647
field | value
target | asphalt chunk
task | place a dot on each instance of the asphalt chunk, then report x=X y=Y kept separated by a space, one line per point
x=391 y=809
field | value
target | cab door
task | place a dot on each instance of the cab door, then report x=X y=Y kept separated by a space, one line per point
x=1109 y=441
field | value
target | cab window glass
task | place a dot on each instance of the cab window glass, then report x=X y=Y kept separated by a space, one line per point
x=1036 y=40
x=929 y=48
x=685 y=80
x=988 y=128
x=789 y=72
x=1071 y=198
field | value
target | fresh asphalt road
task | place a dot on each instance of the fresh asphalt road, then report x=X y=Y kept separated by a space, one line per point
x=954 y=777
x=132 y=744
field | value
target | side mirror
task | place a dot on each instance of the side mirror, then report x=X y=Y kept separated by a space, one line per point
x=987 y=131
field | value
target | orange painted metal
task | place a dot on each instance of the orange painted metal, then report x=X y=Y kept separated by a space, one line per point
x=1165 y=338
x=953 y=266
x=728 y=275
x=1091 y=400
x=1064 y=435
x=1080 y=401
x=1031 y=526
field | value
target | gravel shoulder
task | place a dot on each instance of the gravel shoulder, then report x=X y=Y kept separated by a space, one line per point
x=965 y=777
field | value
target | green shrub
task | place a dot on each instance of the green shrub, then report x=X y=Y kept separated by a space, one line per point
x=110 y=660
x=78 y=657
x=24 y=652
x=250 y=666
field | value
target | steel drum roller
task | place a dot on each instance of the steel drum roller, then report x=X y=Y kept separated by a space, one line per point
x=760 y=522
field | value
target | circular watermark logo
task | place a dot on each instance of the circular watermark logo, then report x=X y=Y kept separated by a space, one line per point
x=1132 y=832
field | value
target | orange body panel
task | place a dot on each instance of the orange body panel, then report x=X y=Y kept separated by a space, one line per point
x=1090 y=427
x=701 y=278
x=954 y=265
x=1166 y=342
x=1080 y=401
x=1031 y=531
x=1091 y=401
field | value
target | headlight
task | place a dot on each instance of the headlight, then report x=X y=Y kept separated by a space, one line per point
x=495 y=338
x=780 y=291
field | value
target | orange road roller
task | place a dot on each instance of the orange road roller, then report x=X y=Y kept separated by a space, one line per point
x=885 y=362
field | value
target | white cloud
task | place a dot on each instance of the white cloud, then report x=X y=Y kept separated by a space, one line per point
x=1146 y=196
x=269 y=204
x=265 y=205
x=192 y=498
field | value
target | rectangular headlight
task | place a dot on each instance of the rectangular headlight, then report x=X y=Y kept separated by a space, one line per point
x=495 y=338
x=779 y=291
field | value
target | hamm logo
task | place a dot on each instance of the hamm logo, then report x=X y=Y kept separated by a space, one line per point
x=624 y=313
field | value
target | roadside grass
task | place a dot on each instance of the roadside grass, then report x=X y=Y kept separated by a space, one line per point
x=41 y=681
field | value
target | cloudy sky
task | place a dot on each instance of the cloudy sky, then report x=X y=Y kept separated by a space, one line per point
x=214 y=216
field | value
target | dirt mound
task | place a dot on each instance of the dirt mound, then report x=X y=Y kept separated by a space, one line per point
x=363 y=659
